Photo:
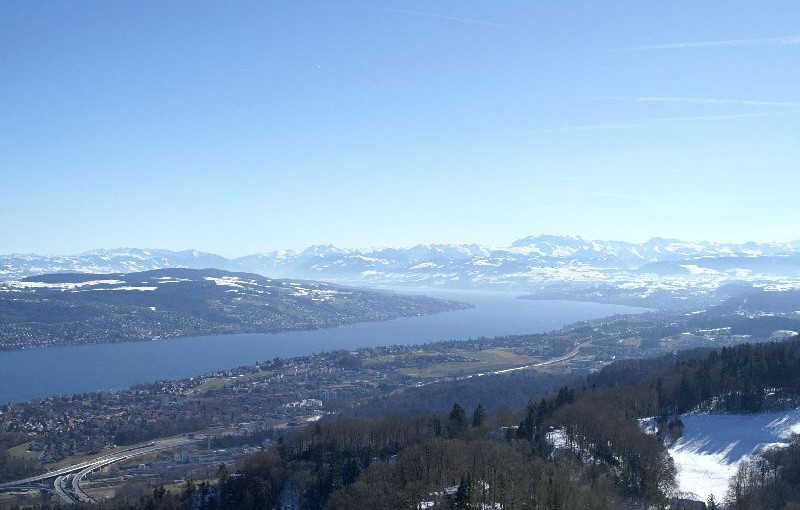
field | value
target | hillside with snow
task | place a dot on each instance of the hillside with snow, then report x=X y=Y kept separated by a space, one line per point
x=77 y=308
x=713 y=445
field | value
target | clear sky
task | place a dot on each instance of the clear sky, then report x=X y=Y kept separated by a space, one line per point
x=243 y=127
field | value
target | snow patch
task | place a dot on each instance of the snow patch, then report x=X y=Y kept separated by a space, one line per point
x=62 y=286
x=424 y=265
x=695 y=269
x=713 y=446
x=226 y=281
x=170 y=279
x=128 y=287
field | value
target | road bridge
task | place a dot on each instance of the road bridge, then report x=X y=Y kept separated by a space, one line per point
x=66 y=481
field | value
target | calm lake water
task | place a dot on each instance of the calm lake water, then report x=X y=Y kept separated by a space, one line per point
x=38 y=373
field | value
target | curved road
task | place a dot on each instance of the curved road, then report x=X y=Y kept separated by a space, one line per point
x=60 y=484
x=67 y=480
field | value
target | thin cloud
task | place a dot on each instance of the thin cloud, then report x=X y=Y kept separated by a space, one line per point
x=600 y=194
x=657 y=120
x=582 y=178
x=640 y=209
x=588 y=127
x=727 y=43
x=433 y=15
x=704 y=100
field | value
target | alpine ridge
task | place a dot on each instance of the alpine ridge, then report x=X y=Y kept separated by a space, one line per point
x=528 y=264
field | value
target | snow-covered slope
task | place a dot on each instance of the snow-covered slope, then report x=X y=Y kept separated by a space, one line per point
x=712 y=446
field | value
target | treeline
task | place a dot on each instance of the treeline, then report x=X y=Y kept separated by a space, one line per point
x=769 y=480
x=13 y=467
x=495 y=392
x=748 y=378
x=138 y=430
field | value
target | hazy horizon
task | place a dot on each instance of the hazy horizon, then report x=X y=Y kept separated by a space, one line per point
x=396 y=246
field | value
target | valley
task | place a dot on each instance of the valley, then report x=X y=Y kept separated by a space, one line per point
x=64 y=445
x=270 y=400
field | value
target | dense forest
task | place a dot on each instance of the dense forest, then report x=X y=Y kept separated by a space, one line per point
x=498 y=393
x=749 y=378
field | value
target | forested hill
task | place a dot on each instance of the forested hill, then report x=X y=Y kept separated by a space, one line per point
x=582 y=447
x=69 y=308
x=748 y=378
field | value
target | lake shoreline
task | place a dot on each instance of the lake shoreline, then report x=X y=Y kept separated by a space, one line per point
x=40 y=373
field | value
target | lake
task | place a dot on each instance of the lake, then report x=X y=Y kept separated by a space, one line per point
x=38 y=373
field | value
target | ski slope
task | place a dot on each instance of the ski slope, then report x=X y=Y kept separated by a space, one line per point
x=712 y=446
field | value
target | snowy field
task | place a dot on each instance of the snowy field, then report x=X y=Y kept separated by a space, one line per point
x=713 y=445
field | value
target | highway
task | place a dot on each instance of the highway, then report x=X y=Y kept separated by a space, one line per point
x=61 y=489
x=67 y=481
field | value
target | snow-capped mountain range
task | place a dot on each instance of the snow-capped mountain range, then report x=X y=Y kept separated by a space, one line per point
x=526 y=264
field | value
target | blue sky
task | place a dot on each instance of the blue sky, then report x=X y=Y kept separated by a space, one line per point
x=245 y=127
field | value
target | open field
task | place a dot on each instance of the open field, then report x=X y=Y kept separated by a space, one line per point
x=473 y=361
x=224 y=382
x=21 y=451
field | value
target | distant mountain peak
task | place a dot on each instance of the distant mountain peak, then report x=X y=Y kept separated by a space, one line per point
x=534 y=260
